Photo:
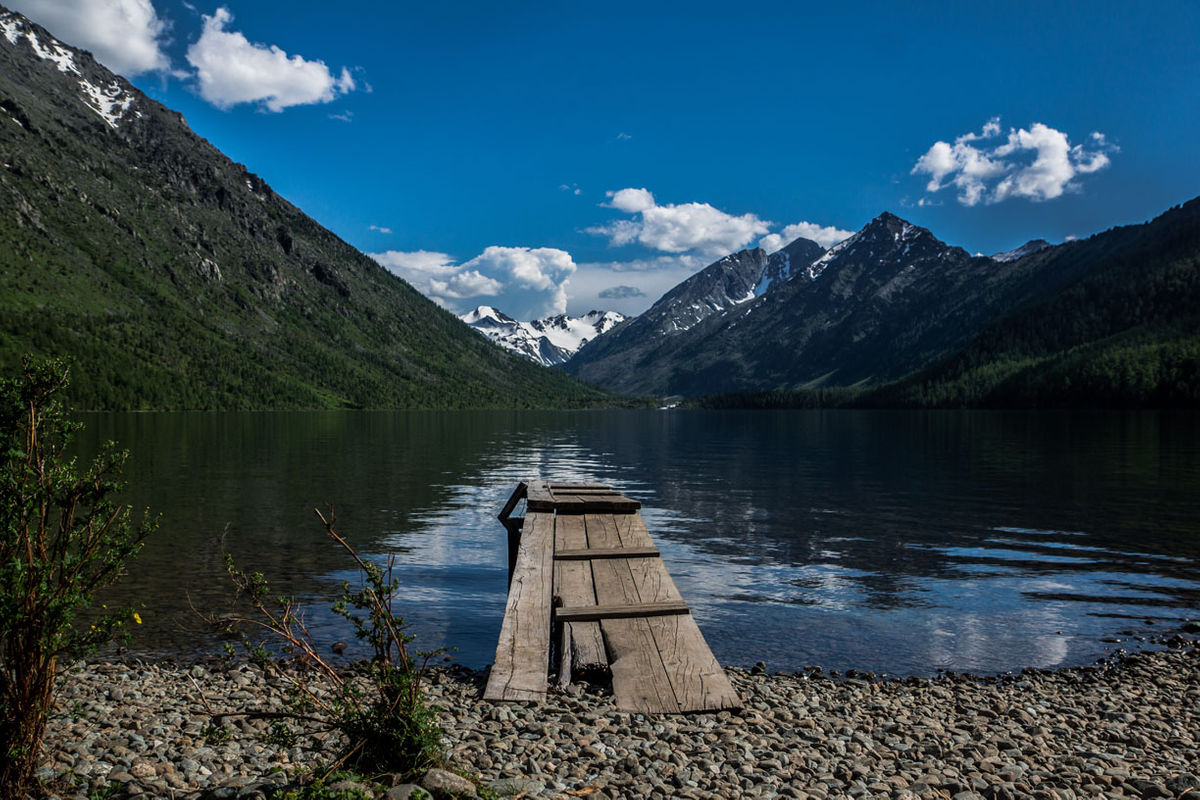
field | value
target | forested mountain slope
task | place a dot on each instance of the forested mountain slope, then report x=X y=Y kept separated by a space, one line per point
x=174 y=278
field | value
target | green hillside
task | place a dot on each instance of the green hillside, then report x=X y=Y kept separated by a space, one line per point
x=173 y=278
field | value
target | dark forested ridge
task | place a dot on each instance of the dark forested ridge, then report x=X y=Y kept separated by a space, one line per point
x=172 y=277
x=1124 y=333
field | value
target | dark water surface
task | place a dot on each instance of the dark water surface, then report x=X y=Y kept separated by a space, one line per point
x=899 y=542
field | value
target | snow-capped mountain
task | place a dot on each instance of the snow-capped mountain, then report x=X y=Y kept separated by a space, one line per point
x=734 y=280
x=547 y=341
x=874 y=307
x=1031 y=246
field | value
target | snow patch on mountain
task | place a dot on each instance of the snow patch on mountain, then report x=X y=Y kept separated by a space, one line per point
x=110 y=102
x=1031 y=246
x=818 y=266
x=547 y=341
x=54 y=50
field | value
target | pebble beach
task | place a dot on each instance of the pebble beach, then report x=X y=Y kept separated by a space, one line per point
x=1125 y=728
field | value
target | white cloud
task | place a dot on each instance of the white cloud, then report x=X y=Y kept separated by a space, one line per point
x=697 y=227
x=1038 y=164
x=124 y=35
x=233 y=70
x=825 y=235
x=436 y=276
x=544 y=270
x=382 y=229
x=631 y=201
x=532 y=281
x=468 y=283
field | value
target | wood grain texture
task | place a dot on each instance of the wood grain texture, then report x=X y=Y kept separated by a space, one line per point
x=697 y=678
x=573 y=583
x=640 y=680
x=522 y=652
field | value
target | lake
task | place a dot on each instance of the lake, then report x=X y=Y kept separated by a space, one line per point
x=893 y=541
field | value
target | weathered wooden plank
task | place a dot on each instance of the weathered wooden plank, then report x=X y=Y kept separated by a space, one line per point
x=523 y=650
x=567 y=613
x=583 y=644
x=555 y=485
x=588 y=553
x=538 y=497
x=584 y=504
x=640 y=682
x=696 y=677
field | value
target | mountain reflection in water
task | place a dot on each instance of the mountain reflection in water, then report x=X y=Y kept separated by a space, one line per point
x=898 y=542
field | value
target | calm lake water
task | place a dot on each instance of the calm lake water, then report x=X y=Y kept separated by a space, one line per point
x=898 y=542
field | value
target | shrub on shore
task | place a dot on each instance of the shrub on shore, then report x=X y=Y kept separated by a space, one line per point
x=62 y=538
x=385 y=723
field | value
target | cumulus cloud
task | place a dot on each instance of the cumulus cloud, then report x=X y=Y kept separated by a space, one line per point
x=531 y=280
x=544 y=270
x=233 y=70
x=621 y=292
x=680 y=228
x=468 y=283
x=381 y=229
x=124 y=35
x=1038 y=164
x=825 y=235
x=631 y=201
x=435 y=275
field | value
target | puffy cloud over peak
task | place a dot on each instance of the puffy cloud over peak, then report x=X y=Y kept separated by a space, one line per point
x=544 y=270
x=825 y=235
x=1038 y=164
x=232 y=70
x=681 y=228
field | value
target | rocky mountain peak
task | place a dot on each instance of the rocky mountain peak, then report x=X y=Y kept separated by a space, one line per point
x=1032 y=246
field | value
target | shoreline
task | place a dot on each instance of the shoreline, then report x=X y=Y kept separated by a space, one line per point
x=1122 y=729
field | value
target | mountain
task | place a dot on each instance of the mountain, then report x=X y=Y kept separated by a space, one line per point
x=1032 y=246
x=890 y=299
x=175 y=278
x=614 y=359
x=547 y=341
x=1124 y=333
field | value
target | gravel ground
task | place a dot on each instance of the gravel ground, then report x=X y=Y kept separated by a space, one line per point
x=1127 y=728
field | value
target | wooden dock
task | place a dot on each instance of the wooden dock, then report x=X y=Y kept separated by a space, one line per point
x=589 y=594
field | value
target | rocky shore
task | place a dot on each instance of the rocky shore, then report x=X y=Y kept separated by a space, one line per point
x=1125 y=729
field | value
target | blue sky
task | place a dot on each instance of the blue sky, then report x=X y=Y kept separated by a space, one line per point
x=497 y=153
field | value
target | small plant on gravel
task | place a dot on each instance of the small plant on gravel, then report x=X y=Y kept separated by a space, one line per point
x=62 y=538
x=379 y=709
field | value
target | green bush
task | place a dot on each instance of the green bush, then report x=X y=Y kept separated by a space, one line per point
x=380 y=710
x=62 y=537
